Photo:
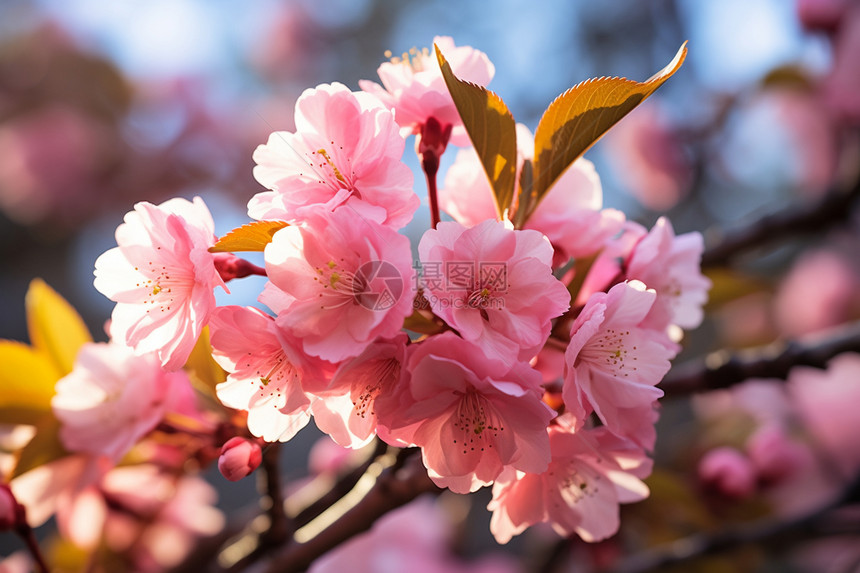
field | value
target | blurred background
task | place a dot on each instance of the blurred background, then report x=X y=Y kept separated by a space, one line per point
x=104 y=104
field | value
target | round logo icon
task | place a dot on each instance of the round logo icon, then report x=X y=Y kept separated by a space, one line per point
x=378 y=285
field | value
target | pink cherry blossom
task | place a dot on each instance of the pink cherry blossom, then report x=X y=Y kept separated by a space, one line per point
x=111 y=399
x=162 y=278
x=471 y=416
x=345 y=153
x=670 y=265
x=239 y=458
x=817 y=293
x=413 y=86
x=591 y=472
x=346 y=410
x=343 y=283
x=155 y=518
x=826 y=401
x=728 y=472
x=494 y=285
x=614 y=363
x=570 y=215
x=268 y=372
x=649 y=159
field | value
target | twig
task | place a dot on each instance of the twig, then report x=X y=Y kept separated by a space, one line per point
x=343 y=486
x=768 y=362
x=279 y=527
x=392 y=489
x=768 y=533
x=835 y=206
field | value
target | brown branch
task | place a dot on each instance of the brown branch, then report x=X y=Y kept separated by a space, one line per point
x=768 y=533
x=834 y=207
x=392 y=489
x=767 y=362
x=342 y=487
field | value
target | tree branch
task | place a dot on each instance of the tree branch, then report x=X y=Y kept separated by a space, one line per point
x=767 y=362
x=392 y=489
x=768 y=533
x=835 y=206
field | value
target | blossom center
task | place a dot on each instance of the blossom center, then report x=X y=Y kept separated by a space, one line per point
x=279 y=372
x=414 y=59
x=163 y=284
x=364 y=394
x=339 y=285
x=476 y=423
x=610 y=351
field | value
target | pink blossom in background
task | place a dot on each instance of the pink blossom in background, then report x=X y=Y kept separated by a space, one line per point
x=471 y=416
x=346 y=410
x=64 y=488
x=327 y=457
x=614 y=363
x=268 y=371
x=817 y=293
x=345 y=153
x=50 y=161
x=843 y=83
x=728 y=472
x=570 y=215
x=775 y=454
x=827 y=403
x=343 y=282
x=591 y=473
x=414 y=538
x=156 y=518
x=239 y=458
x=649 y=159
x=413 y=86
x=821 y=14
x=162 y=278
x=18 y=562
x=670 y=264
x=111 y=399
x=494 y=285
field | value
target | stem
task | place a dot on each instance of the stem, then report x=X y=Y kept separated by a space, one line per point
x=430 y=145
x=278 y=524
x=26 y=533
x=430 y=164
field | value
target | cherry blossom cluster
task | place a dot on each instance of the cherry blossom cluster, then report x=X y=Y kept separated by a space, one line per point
x=526 y=359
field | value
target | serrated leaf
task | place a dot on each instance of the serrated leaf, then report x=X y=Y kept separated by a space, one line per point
x=56 y=329
x=492 y=130
x=578 y=118
x=251 y=237
x=27 y=377
x=45 y=447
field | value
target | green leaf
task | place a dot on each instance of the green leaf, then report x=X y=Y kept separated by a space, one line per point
x=56 y=329
x=577 y=119
x=492 y=130
x=251 y=237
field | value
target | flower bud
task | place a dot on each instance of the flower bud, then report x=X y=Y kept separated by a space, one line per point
x=729 y=472
x=239 y=457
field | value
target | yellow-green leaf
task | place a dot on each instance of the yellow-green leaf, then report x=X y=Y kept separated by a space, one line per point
x=251 y=237
x=202 y=367
x=27 y=377
x=45 y=447
x=492 y=130
x=56 y=329
x=578 y=118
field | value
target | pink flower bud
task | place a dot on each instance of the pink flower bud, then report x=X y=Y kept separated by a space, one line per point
x=239 y=457
x=729 y=472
